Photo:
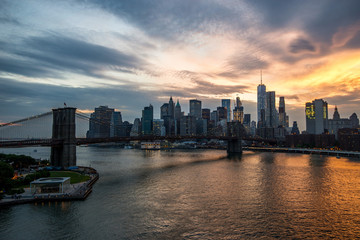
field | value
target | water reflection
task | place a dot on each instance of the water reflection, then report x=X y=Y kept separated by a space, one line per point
x=201 y=194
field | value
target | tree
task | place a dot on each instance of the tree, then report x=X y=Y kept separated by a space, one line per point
x=6 y=173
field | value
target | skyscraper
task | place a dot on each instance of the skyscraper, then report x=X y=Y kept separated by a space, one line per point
x=227 y=104
x=238 y=111
x=282 y=113
x=178 y=113
x=195 y=108
x=316 y=116
x=164 y=110
x=171 y=112
x=116 y=121
x=147 y=120
x=99 y=124
x=261 y=97
x=271 y=115
x=205 y=114
x=136 y=128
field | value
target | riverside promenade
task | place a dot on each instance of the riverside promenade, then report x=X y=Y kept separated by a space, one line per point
x=78 y=191
x=305 y=151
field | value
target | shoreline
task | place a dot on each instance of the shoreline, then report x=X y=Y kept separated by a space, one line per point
x=304 y=151
x=80 y=193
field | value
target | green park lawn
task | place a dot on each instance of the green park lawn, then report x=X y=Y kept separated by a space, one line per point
x=74 y=176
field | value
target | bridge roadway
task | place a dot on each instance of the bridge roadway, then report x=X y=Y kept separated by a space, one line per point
x=84 y=141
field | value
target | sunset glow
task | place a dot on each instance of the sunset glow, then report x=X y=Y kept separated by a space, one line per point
x=113 y=52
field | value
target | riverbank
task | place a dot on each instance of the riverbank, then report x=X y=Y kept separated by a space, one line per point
x=305 y=151
x=78 y=191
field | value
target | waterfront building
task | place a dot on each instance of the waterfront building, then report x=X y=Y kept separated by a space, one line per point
x=147 y=120
x=195 y=108
x=227 y=104
x=316 y=116
x=99 y=123
x=349 y=139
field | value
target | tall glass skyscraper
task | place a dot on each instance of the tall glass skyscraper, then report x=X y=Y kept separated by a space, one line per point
x=227 y=103
x=261 y=97
x=147 y=120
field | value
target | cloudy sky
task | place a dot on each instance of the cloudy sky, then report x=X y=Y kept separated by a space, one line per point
x=127 y=54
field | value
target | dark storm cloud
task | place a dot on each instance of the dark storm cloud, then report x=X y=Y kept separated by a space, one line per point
x=320 y=19
x=24 y=68
x=63 y=53
x=301 y=45
x=72 y=49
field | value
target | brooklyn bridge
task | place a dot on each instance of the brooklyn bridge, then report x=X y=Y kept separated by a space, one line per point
x=63 y=140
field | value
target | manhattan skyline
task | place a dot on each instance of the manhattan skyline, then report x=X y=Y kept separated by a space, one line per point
x=128 y=54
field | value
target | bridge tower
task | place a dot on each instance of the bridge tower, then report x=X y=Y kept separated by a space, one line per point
x=236 y=130
x=64 y=154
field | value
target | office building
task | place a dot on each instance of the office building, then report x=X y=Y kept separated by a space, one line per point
x=261 y=99
x=195 y=108
x=147 y=120
x=116 y=121
x=283 y=118
x=188 y=125
x=271 y=115
x=136 y=128
x=99 y=124
x=238 y=111
x=178 y=114
x=158 y=127
x=316 y=116
x=221 y=114
x=227 y=104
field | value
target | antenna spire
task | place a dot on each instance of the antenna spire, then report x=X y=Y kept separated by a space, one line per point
x=261 y=76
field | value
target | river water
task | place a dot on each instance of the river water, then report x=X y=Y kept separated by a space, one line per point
x=198 y=194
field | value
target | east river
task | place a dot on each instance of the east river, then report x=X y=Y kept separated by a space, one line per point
x=198 y=194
